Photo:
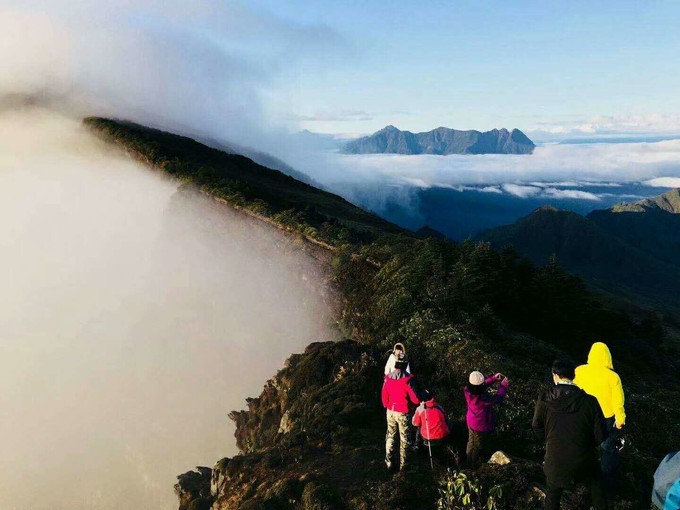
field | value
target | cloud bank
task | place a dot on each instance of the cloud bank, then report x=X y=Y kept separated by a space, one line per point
x=460 y=195
x=200 y=67
x=133 y=319
x=556 y=166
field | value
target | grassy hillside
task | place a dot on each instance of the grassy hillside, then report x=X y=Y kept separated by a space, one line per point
x=318 y=215
x=314 y=437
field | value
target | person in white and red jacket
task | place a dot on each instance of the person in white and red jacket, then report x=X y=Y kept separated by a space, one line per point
x=398 y=395
x=392 y=359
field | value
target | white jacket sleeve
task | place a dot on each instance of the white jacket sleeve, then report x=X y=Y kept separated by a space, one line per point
x=389 y=366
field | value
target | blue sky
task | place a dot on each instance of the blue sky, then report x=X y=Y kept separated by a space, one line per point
x=239 y=69
x=577 y=66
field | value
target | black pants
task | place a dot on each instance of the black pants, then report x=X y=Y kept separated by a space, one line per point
x=610 y=460
x=598 y=501
x=438 y=449
x=476 y=446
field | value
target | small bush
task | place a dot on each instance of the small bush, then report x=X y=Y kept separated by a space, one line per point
x=460 y=491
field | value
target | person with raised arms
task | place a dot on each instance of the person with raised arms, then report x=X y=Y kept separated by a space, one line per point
x=481 y=413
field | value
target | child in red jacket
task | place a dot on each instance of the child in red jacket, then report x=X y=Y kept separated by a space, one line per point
x=433 y=427
x=431 y=420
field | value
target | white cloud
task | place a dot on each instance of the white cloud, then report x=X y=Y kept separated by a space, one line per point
x=184 y=66
x=491 y=189
x=554 y=165
x=552 y=172
x=523 y=191
x=664 y=182
x=414 y=181
x=613 y=124
x=569 y=193
x=520 y=190
x=559 y=184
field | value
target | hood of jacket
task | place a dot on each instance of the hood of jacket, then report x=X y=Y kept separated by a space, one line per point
x=430 y=403
x=564 y=398
x=600 y=356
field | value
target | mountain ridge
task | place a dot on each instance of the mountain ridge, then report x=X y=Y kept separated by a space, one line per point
x=441 y=141
x=668 y=202
x=632 y=247
x=319 y=216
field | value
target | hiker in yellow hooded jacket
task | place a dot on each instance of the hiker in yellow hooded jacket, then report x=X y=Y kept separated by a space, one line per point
x=597 y=378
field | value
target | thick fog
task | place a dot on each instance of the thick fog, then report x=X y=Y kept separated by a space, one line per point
x=133 y=318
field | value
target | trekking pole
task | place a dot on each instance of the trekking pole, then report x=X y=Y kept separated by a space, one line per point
x=429 y=444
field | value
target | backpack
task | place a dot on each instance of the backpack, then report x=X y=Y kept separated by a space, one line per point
x=666 y=477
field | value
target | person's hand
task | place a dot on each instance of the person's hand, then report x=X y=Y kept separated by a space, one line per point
x=619 y=425
x=499 y=376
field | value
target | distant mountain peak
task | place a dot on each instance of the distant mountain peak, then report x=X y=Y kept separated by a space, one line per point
x=441 y=141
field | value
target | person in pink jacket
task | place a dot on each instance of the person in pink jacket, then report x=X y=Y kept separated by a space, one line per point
x=398 y=396
x=481 y=412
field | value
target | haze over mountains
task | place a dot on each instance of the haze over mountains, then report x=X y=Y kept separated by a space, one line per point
x=632 y=247
x=441 y=141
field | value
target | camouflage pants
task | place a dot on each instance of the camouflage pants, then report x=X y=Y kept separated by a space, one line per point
x=397 y=422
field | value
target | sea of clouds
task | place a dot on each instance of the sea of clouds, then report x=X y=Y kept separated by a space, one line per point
x=555 y=171
x=461 y=195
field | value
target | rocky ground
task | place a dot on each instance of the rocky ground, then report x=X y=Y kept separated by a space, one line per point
x=314 y=439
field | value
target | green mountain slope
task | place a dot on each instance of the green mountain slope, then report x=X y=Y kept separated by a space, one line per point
x=651 y=225
x=668 y=202
x=261 y=158
x=590 y=249
x=270 y=194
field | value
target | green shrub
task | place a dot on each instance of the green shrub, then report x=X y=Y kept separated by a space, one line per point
x=460 y=491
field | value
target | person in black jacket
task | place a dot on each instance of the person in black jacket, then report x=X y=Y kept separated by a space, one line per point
x=572 y=423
